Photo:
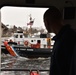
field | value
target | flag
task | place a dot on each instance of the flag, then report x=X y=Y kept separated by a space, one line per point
x=30 y=23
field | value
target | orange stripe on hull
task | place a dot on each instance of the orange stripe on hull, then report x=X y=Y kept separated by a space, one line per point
x=10 y=50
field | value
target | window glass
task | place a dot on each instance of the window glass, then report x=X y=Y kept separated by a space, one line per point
x=28 y=22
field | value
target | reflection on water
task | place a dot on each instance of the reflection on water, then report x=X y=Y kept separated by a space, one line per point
x=9 y=62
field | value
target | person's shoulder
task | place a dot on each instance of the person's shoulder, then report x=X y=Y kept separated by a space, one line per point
x=70 y=28
x=69 y=31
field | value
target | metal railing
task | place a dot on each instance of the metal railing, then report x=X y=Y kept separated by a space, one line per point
x=23 y=70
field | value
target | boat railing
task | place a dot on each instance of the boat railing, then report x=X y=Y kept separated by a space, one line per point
x=23 y=70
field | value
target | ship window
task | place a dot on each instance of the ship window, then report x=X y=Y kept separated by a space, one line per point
x=38 y=41
x=31 y=40
x=16 y=36
x=26 y=24
x=43 y=35
x=21 y=36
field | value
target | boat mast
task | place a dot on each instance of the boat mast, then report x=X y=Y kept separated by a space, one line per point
x=30 y=23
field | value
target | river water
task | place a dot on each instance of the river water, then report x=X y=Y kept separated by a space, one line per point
x=10 y=62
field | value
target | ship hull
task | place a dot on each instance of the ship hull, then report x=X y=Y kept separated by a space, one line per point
x=29 y=52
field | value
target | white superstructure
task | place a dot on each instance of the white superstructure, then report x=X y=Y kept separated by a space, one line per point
x=19 y=38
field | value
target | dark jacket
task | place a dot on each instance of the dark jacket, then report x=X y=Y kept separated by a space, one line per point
x=63 y=51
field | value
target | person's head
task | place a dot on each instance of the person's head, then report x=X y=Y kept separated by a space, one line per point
x=11 y=40
x=53 y=19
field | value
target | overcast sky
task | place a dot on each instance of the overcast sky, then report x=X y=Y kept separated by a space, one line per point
x=19 y=16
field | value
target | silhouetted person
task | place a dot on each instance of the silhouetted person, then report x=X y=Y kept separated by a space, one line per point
x=65 y=39
x=11 y=42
